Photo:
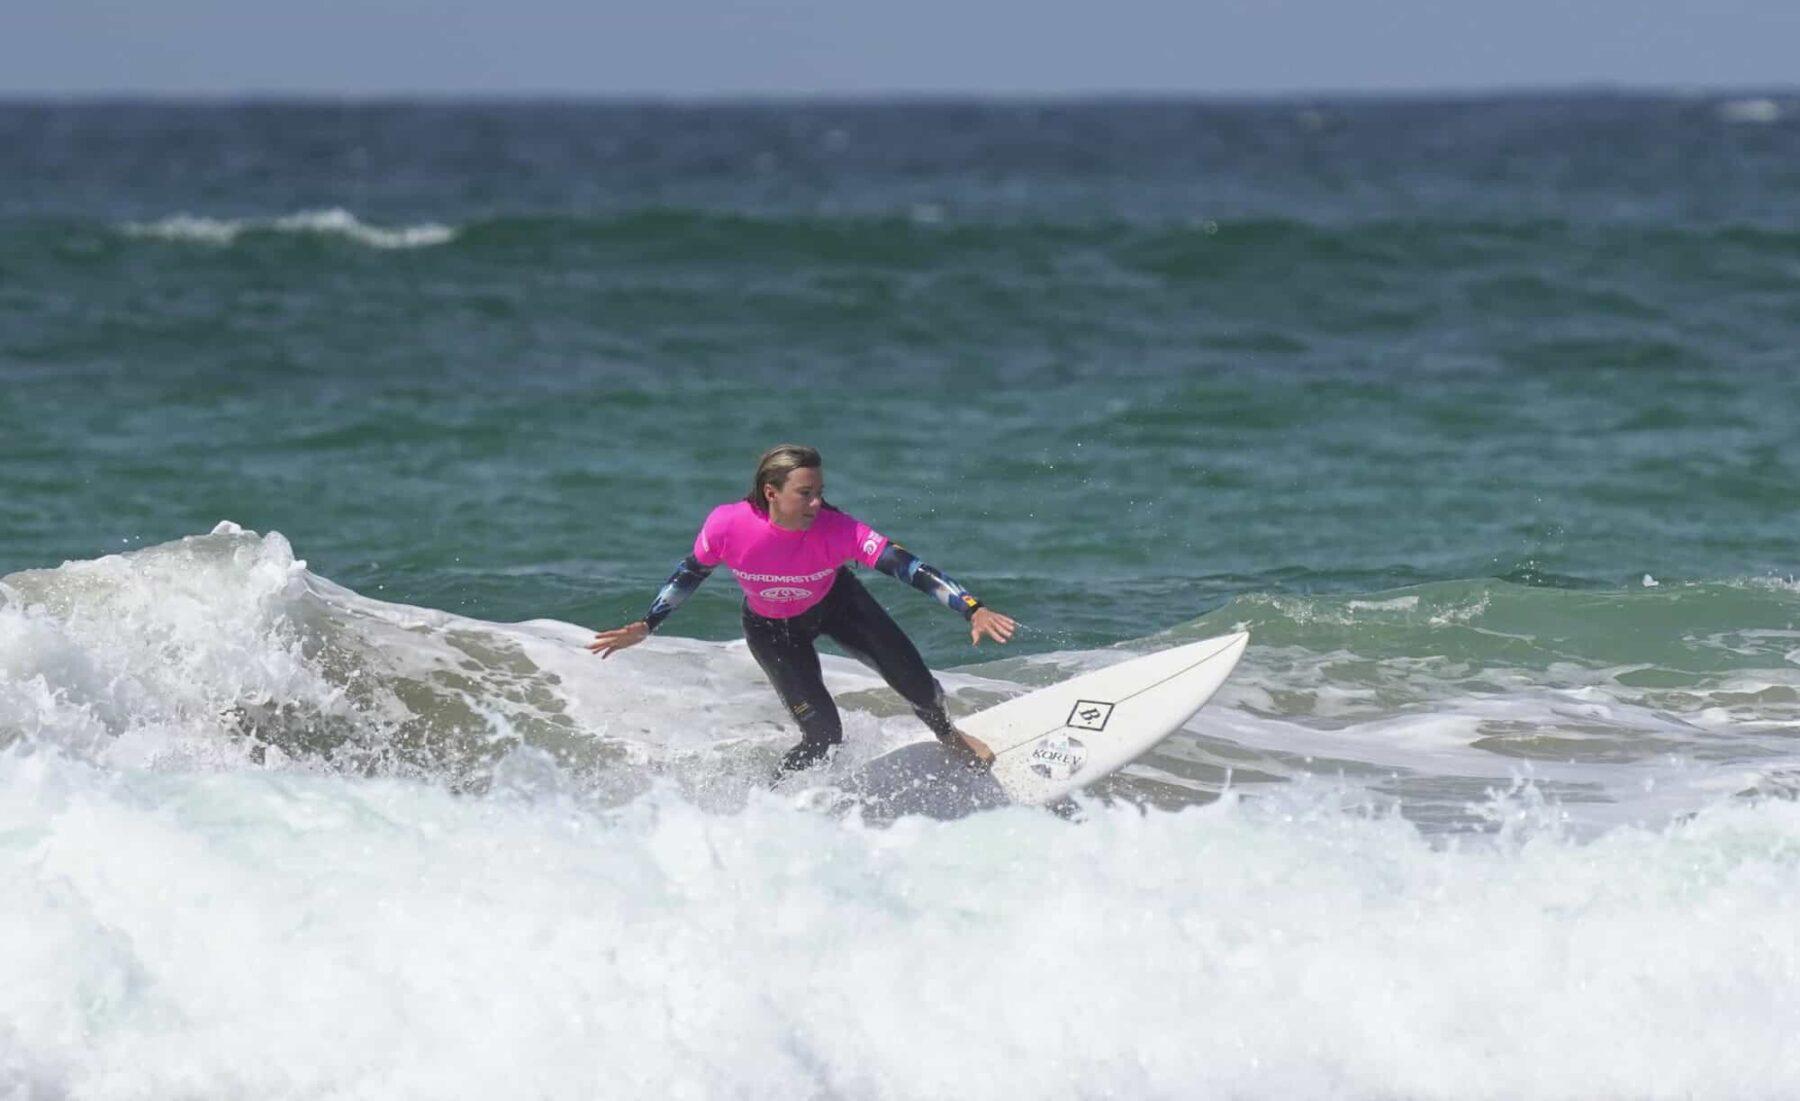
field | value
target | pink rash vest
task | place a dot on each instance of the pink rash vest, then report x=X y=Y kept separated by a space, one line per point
x=782 y=572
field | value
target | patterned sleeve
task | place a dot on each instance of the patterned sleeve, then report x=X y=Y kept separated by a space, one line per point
x=680 y=585
x=898 y=562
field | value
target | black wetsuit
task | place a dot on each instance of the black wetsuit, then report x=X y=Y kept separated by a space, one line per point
x=853 y=619
x=850 y=617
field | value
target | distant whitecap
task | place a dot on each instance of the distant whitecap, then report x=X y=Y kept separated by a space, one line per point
x=1750 y=110
x=334 y=222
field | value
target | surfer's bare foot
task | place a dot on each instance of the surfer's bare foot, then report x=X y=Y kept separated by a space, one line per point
x=973 y=750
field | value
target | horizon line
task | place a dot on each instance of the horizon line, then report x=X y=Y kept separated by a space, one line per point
x=1581 y=89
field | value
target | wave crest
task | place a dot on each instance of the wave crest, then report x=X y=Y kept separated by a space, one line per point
x=335 y=222
x=222 y=652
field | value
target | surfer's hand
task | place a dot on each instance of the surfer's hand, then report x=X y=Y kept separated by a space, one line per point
x=607 y=643
x=988 y=622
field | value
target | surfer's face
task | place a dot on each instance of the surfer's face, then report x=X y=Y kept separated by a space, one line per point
x=796 y=504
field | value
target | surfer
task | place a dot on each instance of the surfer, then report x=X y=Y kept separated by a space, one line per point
x=790 y=552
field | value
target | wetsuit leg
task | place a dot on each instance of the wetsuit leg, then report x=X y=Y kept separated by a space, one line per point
x=784 y=649
x=857 y=622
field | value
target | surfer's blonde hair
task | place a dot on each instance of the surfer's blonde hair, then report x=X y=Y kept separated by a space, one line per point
x=775 y=466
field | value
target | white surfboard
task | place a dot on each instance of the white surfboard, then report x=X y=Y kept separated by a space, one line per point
x=1059 y=739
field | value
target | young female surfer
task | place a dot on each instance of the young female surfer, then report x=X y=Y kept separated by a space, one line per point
x=789 y=550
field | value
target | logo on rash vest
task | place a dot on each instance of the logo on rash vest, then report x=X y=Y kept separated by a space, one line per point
x=1089 y=715
x=871 y=543
x=1057 y=757
x=820 y=576
x=781 y=593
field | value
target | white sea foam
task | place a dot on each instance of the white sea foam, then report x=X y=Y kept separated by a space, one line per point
x=141 y=655
x=1781 y=584
x=1758 y=110
x=261 y=935
x=1406 y=603
x=333 y=222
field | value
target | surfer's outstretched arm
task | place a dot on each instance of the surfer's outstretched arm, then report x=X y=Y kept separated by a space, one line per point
x=903 y=565
x=680 y=585
x=899 y=563
x=689 y=572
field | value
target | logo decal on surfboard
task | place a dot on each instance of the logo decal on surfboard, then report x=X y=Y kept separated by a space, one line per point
x=1089 y=715
x=1057 y=757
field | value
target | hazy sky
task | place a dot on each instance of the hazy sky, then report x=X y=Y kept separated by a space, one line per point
x=704 y=47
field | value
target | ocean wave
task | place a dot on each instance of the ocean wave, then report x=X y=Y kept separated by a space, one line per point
x=222 y=652
x=1154 y=244
x=1015 y=270
x=334 y=222
x=202 y=934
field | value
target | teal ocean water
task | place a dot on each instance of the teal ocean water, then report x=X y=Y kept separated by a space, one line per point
x=328 y=431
